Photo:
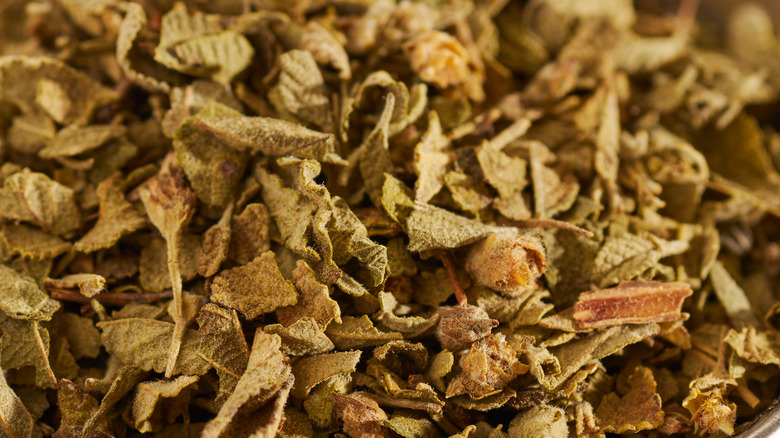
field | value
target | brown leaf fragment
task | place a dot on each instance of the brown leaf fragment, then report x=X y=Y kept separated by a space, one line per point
x=117 y=217
x=39 y=84
x=507 y=262
x=639 y=409
x=314 y=300
x=223 y=346
x=312 y=370
x=256 y=407
x=430 y=160
x=461 y=326
x=15 y=419
x=216 y=244
x=77 y=407
x=269 y=136
x=249 y=234
x=490 y=364
x=88 y=284
x=358 y=332
x=301 y=90
x=255 y=288
x=301 y=338
x=361 y=415
x=161 y=401
x=634 y=302
x=74 y=140
x=33 y=197
x=26 y=343
x=22 y=298
x=541 y=421
x=144 y=343
x=32 y=243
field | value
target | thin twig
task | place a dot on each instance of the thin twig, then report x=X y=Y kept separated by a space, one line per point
x=449 y=263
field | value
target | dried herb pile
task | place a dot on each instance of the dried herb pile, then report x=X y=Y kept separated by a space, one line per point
x=465 y=218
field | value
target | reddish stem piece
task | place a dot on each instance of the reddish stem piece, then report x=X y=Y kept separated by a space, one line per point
x=449 y=263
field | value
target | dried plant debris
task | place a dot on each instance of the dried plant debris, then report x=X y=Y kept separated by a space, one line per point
x=476 y=219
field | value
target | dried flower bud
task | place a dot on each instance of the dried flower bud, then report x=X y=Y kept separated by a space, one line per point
x=439 y=59
x=507 y=262
x=460 y=326
x=488 y=367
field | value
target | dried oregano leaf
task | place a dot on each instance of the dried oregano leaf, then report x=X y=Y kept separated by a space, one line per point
x=256 y=407
x=197 y=45
x=301 y=338
x=639 y=409
x=249 y=233
x=22 y=298
x=431 y=160
x=255 y=288
x=314 y=300
x=313 y=370
x=540 y=421
x=33 y=197
x=14 y=415
x=350 y=239
x=117 y=217
x=429 y=227
x=272 y=137
x=161 y=401
x=360 y=332
x=223 y=346
x=32 y=243
x=153 y=272
x=88 y=284
x=132 y=24
x=301 y=90
x=144 y=343
x=49 y=86
x=361 y=415
x=26 y=343
x=74 y=140
x=216 y=244
x=77 y=406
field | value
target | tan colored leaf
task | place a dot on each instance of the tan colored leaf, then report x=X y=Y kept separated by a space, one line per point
x=489 y=365
x=314 y=300
x=216 y=244
x=313 y=370
x=639 y=409
x=223 y=346
x=254 y=289
x=77 y=407
x=33 y=197
x=117 y=217
x=361 y=415
x=144 y=343
x=249 y=234
x=301 y=90
x=32 y=243
x=48 y=85
x=302 y=338
x=540 y=421
x=26 y=343
x=161 y=401
x=430 y=160
x=256 y=407
x=22 y=298
x=15 y=419
x=354 y=332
